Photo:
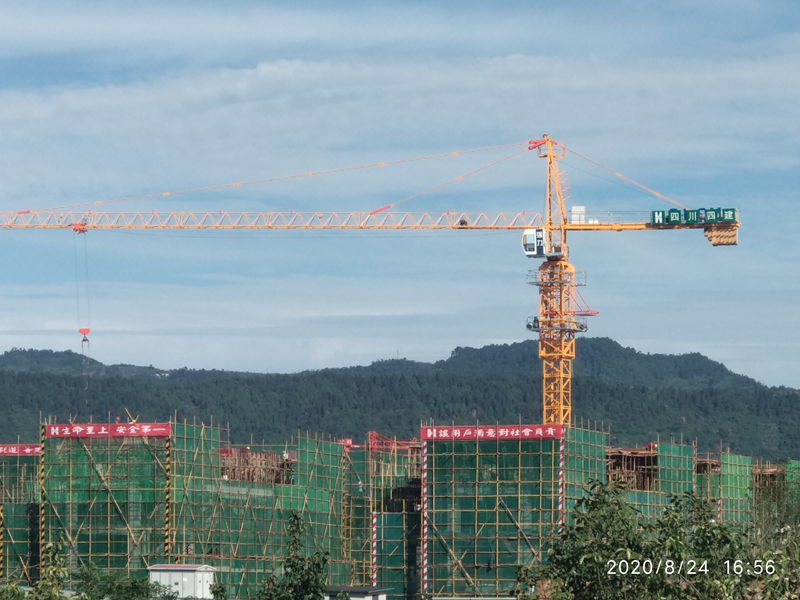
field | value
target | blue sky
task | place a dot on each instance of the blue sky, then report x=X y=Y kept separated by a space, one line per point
x=700 y=101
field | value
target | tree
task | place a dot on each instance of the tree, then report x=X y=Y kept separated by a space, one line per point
x=53 y=574
x=11 y=591
x=611 y=551
x=92 y=585
x=303 y=577
x=784 y=553
x=219 y=591
x=95 y=585
x=606 y=528
x=689 y=535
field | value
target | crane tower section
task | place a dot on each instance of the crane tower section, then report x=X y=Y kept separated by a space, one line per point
x=560 y=315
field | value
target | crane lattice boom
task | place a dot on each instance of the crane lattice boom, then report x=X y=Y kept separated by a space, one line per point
x=84 y=221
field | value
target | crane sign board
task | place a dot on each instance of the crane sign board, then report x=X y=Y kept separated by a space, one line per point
x=694 y=216
x=97 y=430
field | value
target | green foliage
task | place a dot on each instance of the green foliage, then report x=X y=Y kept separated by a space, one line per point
x=303 y=576
x=92 y=585
x=156 y=591
x=139 y=589
x=96 y=585
x=785 y=553
x=11 y=591
x=219 y=591
x=606 y=528
x=49 y=586
x=688 y=533
x=53 y=574
x=637 y=394
x=686 y=554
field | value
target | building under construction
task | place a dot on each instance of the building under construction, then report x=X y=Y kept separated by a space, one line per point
x=449 y=515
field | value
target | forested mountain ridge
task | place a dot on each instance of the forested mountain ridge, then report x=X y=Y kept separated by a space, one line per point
x=19 y=360
x=639 y=396
x=596 y=357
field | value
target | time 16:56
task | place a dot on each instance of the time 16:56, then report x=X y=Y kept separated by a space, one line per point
x=758 y=567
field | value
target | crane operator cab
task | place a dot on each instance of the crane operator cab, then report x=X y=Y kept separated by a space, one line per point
x=533 y=243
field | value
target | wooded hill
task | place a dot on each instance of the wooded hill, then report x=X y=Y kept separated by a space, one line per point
x=638 y=396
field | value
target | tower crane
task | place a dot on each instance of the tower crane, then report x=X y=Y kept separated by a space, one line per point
x=561 y=312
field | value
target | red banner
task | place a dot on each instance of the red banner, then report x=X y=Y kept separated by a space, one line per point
x=493 y=432
x=94 y=430
x=20 y=449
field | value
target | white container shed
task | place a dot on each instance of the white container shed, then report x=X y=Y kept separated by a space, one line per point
x=187 y=580
x=357 y=593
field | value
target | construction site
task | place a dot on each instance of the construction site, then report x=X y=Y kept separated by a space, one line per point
x=451 y=514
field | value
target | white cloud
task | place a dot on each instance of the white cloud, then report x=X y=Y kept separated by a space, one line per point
x=284 y=117
x=160 y=98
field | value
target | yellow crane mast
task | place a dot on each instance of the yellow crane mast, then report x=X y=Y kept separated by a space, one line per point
x=561 y=313
x=558 y=320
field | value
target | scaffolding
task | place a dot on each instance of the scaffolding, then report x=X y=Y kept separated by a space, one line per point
x=126 y=502
x=776 y=496
x=383 y=514
x=726 y=480
x=124 y=496
x=585 y=460
x=19 y=512
x=494 y=497
x=452 y=515
x=652 y=475
x=105 y=497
